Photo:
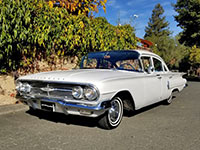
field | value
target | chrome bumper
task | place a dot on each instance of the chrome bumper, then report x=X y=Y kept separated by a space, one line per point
x=67 y=108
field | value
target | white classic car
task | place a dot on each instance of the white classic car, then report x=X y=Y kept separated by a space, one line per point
x=106 y=84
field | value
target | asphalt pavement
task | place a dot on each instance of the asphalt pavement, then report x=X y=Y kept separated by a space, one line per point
x=158 y=127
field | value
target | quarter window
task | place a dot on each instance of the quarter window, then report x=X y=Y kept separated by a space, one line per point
x=165 y=68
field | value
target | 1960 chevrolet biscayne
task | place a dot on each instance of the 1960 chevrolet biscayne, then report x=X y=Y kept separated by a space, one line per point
x=106 y=84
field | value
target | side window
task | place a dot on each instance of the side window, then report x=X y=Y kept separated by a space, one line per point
x=146 y=61
x=157 y=65
x=104 y=64
x=130 y=64
x=90 y=63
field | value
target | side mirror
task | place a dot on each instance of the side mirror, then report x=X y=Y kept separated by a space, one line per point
x=150 y=70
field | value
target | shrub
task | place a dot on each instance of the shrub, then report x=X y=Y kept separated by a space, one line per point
x=32 y=30
x=15 y=32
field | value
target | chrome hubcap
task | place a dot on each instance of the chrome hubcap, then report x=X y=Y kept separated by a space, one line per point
x=114 y=113
x=169 y=99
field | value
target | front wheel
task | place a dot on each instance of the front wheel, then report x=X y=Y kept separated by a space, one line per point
x=112 y=118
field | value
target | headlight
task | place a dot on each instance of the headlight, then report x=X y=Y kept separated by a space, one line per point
x=18 y=86
x=77 y=92
x=90 y=93
x=25 y=88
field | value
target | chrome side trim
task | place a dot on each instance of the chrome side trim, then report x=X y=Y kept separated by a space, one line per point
x=109 y=93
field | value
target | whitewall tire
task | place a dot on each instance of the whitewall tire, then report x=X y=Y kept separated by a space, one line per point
x=112 y=118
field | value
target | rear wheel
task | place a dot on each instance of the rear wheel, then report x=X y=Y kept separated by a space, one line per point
x=169 y=100
x=112 y=118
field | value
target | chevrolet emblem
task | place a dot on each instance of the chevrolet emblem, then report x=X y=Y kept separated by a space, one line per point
x=47 y=89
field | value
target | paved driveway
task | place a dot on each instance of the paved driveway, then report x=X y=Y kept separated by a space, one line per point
x=174 y=127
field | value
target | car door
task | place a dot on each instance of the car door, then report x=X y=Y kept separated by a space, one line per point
x=153 y=81
x=161 y=71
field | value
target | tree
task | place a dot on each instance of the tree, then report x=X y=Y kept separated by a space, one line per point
x=81 y=6
x=169 y=49
x=188 y=19
x=195 y=56
x=157 y=26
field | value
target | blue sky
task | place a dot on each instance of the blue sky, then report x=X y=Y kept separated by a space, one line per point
x=126 y=9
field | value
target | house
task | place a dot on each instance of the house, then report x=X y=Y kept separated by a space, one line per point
x=144 y=44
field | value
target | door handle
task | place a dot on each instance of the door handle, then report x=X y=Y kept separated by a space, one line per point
x=159 y=76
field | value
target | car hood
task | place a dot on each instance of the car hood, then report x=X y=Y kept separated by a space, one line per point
x=91 y=76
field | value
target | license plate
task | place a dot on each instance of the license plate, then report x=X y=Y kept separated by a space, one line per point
x=48 y=106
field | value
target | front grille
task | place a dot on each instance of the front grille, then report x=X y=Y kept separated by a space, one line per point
x=53 y=90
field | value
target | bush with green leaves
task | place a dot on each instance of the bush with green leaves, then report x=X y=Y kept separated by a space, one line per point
x=31 y=30
x=194 y=56
x=15 y=32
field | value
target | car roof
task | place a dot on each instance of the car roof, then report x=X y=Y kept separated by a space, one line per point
x=145 y=52
x=113 y=51
x=140 y=52
x=115 y=54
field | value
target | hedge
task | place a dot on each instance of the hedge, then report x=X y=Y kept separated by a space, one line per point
x=31 y=30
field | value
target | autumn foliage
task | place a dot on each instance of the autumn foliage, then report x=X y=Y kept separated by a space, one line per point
x=33 y=30
x=80 y=6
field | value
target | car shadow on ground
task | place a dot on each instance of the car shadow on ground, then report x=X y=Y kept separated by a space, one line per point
x=81 y=120
x=144 y=109
x=62 y=118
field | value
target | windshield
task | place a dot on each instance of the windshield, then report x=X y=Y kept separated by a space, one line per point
x=122 y=60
